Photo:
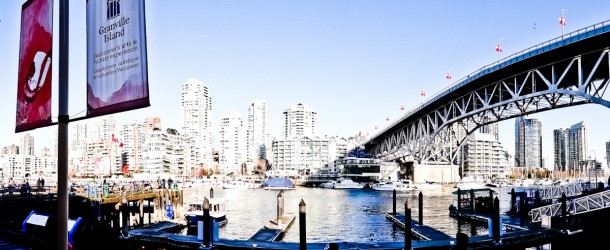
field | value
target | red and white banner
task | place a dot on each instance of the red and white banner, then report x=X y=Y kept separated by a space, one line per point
x=498 y=48
x=34 y=77
x=117 y=71
x=562 y=21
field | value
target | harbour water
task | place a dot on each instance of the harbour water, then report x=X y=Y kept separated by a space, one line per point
x=337 y=215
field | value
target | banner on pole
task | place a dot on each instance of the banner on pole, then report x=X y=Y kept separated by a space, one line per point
x=34 y=76
x=117 y=71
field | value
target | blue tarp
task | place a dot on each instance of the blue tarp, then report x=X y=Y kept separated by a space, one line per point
x=278 y=182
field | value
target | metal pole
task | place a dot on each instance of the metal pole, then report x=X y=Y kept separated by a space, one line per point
x=61 y=233
x=394 y=200
x=496 y=220
x=206 y=222
x=407 y=226
x=421 y=208
x=302 y=226
x=280 y=208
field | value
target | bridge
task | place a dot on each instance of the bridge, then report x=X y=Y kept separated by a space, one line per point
x=566 y=71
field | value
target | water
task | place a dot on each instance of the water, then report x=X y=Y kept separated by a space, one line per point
x=337 y=215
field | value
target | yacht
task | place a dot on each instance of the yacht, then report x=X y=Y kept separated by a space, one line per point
x=278 y=183
x=194 y=212
x=404 y=185
x=346 y=183
x=328 y=184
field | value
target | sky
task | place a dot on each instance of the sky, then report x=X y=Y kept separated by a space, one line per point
x=355 y=62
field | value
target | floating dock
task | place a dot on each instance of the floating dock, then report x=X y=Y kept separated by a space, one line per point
x=421 y=232
x=274 y=231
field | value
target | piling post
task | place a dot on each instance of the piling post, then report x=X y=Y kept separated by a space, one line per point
x=564 y=210
x=280 y=208
x=206 y=222
x=537 y=201
x=513 y=200
x=421 y=208
x=150 y=212
x=491 y=203
x=522 y=209
x=211 y=192
x=472 y=208
x=459 y=200
x=407 y=226
x=496 y=219
x=302 y=226
x=394 y=202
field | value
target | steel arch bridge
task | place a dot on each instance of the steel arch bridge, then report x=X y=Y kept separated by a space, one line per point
x=563 y=72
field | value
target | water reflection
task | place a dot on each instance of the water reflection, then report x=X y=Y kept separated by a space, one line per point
x=337 y=215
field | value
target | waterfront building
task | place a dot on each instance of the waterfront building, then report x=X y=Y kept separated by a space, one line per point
x=233 y=147
x=367 y=169
x=27 y=144
x=257 y=130
x=300 y=156
x=528 y=143
x=195 y=119
x=18 y=166
x=166 y=153
x=560 y=149
x=299 y=121
x=10 y=150
x=484 y=157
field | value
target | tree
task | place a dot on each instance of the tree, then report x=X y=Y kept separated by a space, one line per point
x=172 y=131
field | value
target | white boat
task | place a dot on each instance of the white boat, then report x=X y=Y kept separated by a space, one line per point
x=239 y=184
x=469 y=183
x=328 y=184
x=404 y=185
x=194 y=212
x=346 y=183
x=428 y=186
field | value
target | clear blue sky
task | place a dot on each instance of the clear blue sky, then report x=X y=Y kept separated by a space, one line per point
x=355 y=62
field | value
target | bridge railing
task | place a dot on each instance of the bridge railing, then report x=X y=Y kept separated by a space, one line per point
x=555 y=192
x=580 y=205
x=571 y=37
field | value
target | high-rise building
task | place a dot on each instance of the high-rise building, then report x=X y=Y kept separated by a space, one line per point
x=27 y=144
x=195 y=119
x=131 y=145
x=484 y=157
x=490 y=129
x=103 y=128
x=300 y=156
x=233 y=148
x=151 y=123
x=300 y=120
x=560 y=149
x=608 y=154
x=577 y=145
x=528 y=143
x=257 y=129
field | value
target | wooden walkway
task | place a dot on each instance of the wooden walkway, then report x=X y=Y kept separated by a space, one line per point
x=421 y=232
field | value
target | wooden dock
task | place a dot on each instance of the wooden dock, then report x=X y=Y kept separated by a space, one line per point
x=421 y=232
x=272 y=231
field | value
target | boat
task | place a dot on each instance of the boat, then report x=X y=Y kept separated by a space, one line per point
x=278 y=183
x=429 y=185
x=404 y=185
x=347 y=183
x=469 y=183
x=194 y=212
x=239 y=184
x=328 y=184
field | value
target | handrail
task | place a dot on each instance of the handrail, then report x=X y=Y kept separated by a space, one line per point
x=565 y=39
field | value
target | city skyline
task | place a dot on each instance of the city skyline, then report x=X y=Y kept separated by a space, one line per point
x=356 y=63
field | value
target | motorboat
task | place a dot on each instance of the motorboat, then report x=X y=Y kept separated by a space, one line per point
x=346 y=183
x=194 y=212
x=404 y=185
